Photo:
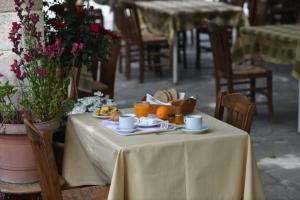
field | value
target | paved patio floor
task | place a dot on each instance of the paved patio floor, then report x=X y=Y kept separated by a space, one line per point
x=276 y=144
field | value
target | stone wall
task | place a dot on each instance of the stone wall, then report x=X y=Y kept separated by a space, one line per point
x=7 y=16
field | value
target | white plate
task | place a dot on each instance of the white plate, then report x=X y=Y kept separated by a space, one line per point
x=126 y=130
x=148 y=125
x=146 y=122
x=100 y=116
x=203 y=129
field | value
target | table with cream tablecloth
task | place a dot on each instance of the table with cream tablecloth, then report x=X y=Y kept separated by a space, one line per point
x=278 y=44
x=169 y=17
x=174 y=165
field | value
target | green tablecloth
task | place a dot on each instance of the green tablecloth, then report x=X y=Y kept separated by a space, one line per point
x=279 y=44
x=168 y=17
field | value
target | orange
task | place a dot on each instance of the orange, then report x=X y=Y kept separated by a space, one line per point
x=162 y=112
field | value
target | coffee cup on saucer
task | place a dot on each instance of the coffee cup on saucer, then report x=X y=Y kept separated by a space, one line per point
x=193 y=122
x=127 y=121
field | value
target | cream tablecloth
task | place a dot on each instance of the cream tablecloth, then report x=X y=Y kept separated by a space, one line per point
x=168 y=17
x=173 y=165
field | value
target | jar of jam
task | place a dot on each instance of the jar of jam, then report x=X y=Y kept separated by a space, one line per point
x=171 y=118
x=179 y=119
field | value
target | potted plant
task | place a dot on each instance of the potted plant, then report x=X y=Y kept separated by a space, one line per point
x=40 y=92
x=71 y=21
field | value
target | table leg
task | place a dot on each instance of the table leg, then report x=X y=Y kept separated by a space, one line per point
x=175 y=59
x=299 y=107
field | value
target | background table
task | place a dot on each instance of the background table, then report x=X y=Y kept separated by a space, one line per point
x=173 y=165
x=279 y=44
x=169 y=17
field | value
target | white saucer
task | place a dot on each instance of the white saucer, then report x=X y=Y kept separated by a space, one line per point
x=100 y=116
x=203 y=129
x=148 y=125
x=126 y=130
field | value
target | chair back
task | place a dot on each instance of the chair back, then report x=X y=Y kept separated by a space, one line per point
x=258 y=12
x=221 y=50
x=240 y=111
x=108 y=70
x=127 y=22
x=41 y=143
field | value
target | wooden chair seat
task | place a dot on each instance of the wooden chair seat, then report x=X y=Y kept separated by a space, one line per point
x=86 y=193
x=249 y=71
x=149 y=37
x=25 y=188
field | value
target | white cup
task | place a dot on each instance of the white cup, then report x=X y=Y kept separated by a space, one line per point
x=127 y=121
x=193 y=122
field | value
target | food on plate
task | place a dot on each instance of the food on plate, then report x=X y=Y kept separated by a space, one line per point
x=106 y=110
x=114 y=116
x=162 y=112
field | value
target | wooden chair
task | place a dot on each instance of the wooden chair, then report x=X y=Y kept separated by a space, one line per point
x=106 y=84
x=258 y=12
x=239 y=110
x=137 y=40
x=49 y=179
x=234 y=75
x=202 y=45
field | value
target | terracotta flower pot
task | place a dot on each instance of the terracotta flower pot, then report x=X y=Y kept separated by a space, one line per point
x=17 y=162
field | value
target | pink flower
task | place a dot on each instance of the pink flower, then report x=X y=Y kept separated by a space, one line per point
x=80 y=46
x=34 y=18
x=1 y=75
x=28 y=57
x=74 y=48
x=19 y=2
x=41 y=72
x=15 y=37
x=15 y=67
x=54 y=50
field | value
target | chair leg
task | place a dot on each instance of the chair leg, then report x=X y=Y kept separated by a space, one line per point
x=120 y=63
x=270 y=96
x=128 y=61
x=184 y=49
x=157 y=61
x=230 y=86
x=180 y=42
x=253 y=86
x=192 y=36
x=121 y=59
x=142 y=63
x=218 y=85
x=149 y=49
x=170 y=58
x=198 y=50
